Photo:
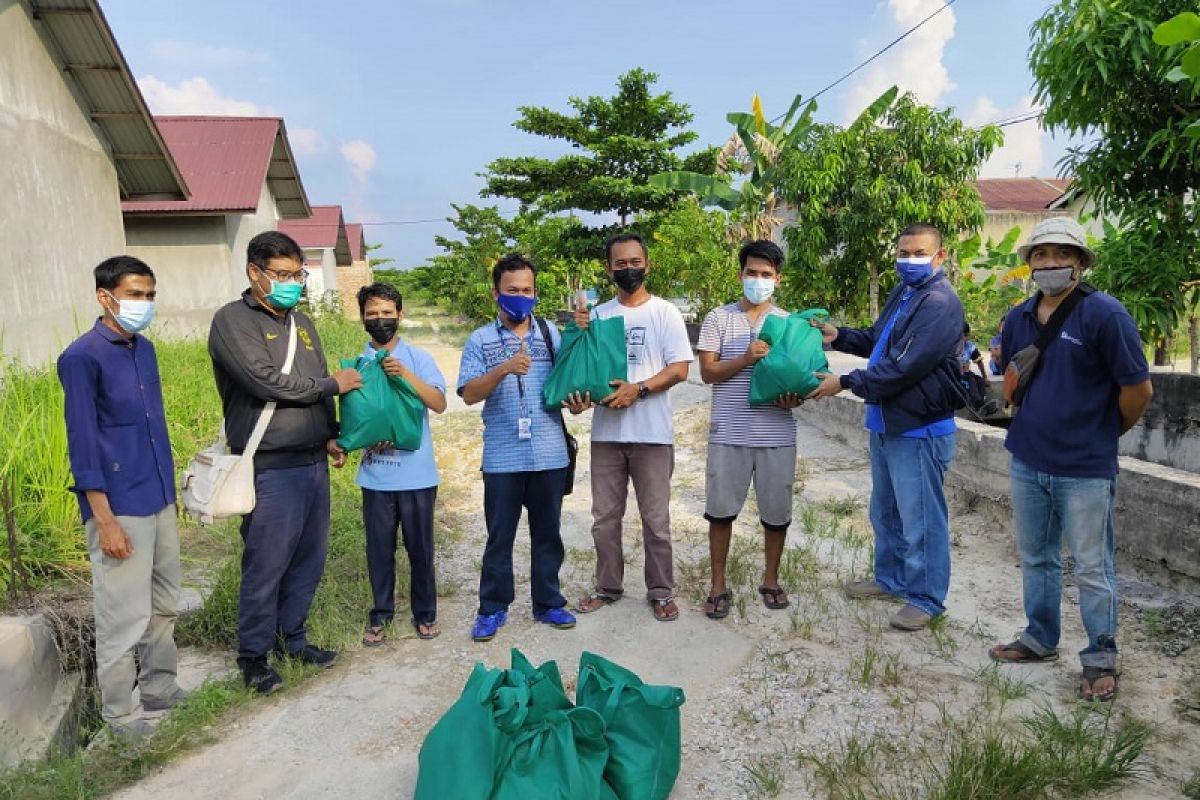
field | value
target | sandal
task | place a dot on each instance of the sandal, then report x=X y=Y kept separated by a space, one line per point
x=665 y=609
x=373 y=636
x=771 y=597
x=1088 y=680
x=1017 y=652
x=594 y=602
x=717 y=605
x=432 y=631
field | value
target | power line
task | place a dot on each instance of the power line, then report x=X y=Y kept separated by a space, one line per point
x=507 y=213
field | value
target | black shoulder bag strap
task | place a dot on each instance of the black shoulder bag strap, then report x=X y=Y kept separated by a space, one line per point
x=1023 y=366
x=572 y=443
x=1059 y=317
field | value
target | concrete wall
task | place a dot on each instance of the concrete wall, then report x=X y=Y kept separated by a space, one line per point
x=241 y=228
x=190 y=257
x=322 y=272
x=1158 y=508
x=1169 y=433
x=60 y=212
x=349 y=280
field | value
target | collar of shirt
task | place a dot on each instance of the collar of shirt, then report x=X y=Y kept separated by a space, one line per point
x=112 y=336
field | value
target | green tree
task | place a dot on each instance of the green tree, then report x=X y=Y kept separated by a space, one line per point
x=691 y=257
x=1100 y=75
x=374 y=262
x=619 y=142
x=854 y=189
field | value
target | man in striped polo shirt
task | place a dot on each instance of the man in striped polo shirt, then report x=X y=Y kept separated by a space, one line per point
x=746 y=442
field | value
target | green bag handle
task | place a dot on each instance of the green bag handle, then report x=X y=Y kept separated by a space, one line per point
x=813 y=313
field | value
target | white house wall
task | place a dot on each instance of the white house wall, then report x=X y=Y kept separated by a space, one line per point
x=60 y=212
x=244 y=227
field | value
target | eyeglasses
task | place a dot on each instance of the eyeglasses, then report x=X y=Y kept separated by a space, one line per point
x=285 y=277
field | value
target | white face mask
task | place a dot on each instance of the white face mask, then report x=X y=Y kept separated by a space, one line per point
x=758 y=290
x=133 y=315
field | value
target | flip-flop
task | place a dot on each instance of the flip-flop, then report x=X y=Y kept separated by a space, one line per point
x=664 y=609
x=596 y=601
x=1090 y=676
x=771 y=597
x=717 y=605
x=1019 y=653
x=374 y=636
x=417 y=627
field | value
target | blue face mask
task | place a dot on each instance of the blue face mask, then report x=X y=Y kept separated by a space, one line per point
x=285 y=295
x=516 y=306
x=758 y=290
x=915 y=269
x=133 y=315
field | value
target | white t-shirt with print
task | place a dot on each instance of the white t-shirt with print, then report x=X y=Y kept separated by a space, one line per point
x=655 y=336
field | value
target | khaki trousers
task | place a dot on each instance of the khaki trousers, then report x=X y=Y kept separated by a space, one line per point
x=649 y=466
x=136 y=601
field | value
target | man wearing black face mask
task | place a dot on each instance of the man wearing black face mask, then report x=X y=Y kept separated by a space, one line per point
x=1090 y=385
x=399 y=487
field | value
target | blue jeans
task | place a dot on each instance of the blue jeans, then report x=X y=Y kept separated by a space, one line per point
x=286 y=539
x=908 y=513
x=504 y=495
x=1045 y=509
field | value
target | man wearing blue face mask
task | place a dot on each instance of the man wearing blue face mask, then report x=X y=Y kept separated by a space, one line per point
x=125 y=482
x=910 y=386
x=525 y=458
x=264 y=351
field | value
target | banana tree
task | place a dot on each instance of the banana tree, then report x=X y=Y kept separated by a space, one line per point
x=753 y=150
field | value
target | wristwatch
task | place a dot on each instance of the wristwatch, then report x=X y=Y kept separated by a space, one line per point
x=643 y=391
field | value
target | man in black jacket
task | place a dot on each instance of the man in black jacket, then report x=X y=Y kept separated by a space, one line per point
x=287 y=535
x=909 y=385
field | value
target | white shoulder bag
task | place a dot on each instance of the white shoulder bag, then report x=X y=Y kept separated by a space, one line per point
x=218 y=484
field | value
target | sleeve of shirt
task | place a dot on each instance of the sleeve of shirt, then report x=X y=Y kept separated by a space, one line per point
x=239 y=349
x=710 y=334
x=471 y=365
x=80 y=378
x=676 y=345
x=1006 y=338
x=427 y=370
x=1121 y=347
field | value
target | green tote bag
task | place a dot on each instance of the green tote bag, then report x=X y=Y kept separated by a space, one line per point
x=386 y=409
x=642 y=727
x=587 y=360
x=796 y=353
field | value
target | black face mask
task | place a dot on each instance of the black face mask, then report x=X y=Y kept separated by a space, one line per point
x=382 y=329
x=629 y=279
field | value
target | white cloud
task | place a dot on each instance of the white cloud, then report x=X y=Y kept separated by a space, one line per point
x=1024 y=145
x=200 y=54
x=307 y=141
x=915 y=64
x=195 y=96
x=360 y=155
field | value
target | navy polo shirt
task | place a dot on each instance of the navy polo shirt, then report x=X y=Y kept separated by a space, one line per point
x=116 y=426
x=1068 y=423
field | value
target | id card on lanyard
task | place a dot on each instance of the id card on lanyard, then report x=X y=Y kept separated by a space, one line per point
x=525 y=420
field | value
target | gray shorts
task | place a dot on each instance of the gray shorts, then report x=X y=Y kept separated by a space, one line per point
x=727 y=481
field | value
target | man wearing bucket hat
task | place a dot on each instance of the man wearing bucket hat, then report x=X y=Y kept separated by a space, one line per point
x=1085 y=384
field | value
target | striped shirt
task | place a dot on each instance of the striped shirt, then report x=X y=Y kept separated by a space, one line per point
x=727 y=331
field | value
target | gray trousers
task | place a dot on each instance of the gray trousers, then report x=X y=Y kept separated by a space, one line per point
x=136 y=602
x=649 y=467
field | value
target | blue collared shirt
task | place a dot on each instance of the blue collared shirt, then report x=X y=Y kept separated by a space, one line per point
x=503 y=450
x=116 y=425
x=405 y=470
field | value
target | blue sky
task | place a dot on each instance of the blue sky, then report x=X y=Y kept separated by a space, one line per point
x=394 y=107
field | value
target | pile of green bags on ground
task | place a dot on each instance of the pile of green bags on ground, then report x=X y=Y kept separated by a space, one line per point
x=796 y=353
x=587 y=360
x=515 y=735
x=386 y=408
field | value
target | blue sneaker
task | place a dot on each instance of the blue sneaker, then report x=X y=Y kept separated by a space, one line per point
x=486 y=625
x=556 y=618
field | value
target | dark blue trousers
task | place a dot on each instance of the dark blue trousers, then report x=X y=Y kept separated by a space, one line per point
x=411 y=511
x=286 y=539
x=504 y=495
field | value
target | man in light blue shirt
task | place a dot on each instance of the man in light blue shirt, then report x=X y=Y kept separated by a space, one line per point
x=525 y=459
x=399 y=487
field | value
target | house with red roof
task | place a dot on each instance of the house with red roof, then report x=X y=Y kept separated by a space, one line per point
x=77 y=139
x=243 y=180
x=1024 y=202
x=326 y=248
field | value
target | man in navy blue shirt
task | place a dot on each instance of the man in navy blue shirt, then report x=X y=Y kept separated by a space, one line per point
x=1091 y=385
x=911 y=390
x=125 y=483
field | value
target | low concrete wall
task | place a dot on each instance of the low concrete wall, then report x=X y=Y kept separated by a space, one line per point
x=1158 y=507
x=1169 y=433
x=36 y=696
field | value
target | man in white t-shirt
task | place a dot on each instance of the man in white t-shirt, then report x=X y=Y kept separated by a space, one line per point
x=746 y=442
x=632 y=432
